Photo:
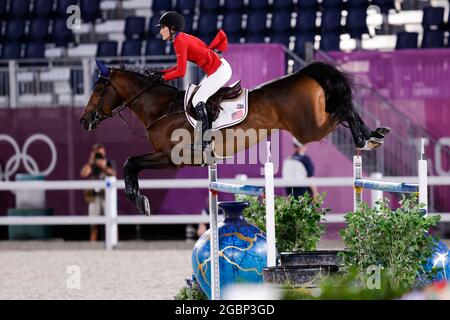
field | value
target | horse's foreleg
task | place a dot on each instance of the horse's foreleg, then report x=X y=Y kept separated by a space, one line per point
x=131 y=170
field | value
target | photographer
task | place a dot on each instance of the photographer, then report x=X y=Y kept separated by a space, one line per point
x=97 y=168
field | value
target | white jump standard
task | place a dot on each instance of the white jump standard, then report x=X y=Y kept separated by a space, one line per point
x=268 y=192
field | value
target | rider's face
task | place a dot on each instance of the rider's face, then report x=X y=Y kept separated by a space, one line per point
x=165 y=33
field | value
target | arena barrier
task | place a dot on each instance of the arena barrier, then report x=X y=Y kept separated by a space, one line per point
x=215 y=188
x=421 y=188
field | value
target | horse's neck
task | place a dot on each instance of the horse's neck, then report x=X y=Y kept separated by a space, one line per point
x=150 y=104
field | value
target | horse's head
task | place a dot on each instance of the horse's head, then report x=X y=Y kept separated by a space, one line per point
x=104 y=99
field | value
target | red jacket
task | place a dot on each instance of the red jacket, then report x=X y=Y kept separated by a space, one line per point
x=188 y=47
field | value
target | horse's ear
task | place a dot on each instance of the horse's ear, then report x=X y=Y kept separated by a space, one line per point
x=104 y=71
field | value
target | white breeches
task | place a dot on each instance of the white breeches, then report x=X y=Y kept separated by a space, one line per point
x=210 y=85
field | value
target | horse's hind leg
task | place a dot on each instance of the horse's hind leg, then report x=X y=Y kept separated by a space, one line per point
x=363 y=136
x=131 y=170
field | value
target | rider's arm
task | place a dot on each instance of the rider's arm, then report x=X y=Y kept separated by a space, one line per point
x=180 y=69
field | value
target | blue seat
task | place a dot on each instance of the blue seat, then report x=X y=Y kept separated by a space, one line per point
x=209 y=6
x=307 y=4
x=160 y=6
x=407 y=40
x=384 y=5
x=281 y=38
x=155 y=47
x=207 y=23
x=38 y=30
x=152 y=29
x=11 y=50
x=62 y=5
x=62 y=35
x=357 y=4
x=76 y=81
x=331 y=20
x=131 y=48
x=90 y=10
x=34 y=50
x=106 y=49
x=189 y=23
x=43 y=8
x=18 y=8
x=306 y=20
x=255 y=38
x=233 y=5
x=356 y=22
x=234 y=37
x=134 y=27
x=433 y=39
x=256 y=22
x=332 y=3
x=206 y=38
x=300 y=40
x=433 y=17
x=232 y=23
x=281 y=21
x=3 y=8
x=14 y=30
x=185 y=6
x=330 y=41
x=257 y=5
x=283 y=5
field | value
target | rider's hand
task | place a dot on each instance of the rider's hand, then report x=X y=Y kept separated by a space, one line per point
x=156 y=76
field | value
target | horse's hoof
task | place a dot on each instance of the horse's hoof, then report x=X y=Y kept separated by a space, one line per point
x=382 y=131
x=143 y=204
x=372 y=144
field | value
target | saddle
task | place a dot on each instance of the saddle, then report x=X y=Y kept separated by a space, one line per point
x=213 y=103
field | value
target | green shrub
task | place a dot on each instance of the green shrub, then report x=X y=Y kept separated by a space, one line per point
x=191 y=291
x=397 y=241
x=297 y=220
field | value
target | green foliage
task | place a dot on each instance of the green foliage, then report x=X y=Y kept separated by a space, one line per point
x=297 y=220
x=191 y=291
x=397 y=241
x=349 y=286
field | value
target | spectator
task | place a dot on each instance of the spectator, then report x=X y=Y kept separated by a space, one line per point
x=98 y=168
x=299 y=167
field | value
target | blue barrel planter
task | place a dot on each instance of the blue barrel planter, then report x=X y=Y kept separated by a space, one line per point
x=242 y=250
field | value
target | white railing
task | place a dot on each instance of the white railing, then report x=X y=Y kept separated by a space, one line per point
x=111 y=220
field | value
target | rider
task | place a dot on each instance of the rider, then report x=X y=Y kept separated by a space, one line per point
x=188 y=47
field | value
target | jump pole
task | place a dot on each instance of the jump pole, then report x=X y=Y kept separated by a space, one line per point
x=214 y=234
x=420 y=188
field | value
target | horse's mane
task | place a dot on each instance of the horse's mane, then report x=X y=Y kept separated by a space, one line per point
x=138 y=73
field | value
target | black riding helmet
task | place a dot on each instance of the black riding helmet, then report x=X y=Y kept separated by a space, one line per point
x=173 y=20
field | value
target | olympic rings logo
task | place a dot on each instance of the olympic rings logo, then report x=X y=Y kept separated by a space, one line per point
x=13 y=163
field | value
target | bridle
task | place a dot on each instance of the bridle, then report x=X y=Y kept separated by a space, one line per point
x=98 y=115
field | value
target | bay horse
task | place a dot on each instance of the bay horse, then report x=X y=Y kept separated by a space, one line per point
x=309 y=104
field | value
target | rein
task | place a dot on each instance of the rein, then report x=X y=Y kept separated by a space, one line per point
x=100 y=116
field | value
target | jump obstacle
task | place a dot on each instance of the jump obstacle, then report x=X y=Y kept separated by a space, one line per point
x=215 y=188
x=421 y=187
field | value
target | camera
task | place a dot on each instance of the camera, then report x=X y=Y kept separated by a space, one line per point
x=98 y=155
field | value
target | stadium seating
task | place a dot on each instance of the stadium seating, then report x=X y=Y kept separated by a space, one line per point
x=155 y=47
x=433 y=39
x=107 y=49
x=407 y=40
x=43 y=8
x=185 y=6
x=131 y=48
x=233 y=6
x=134 y=27
x=433 y=17
x=356 y=22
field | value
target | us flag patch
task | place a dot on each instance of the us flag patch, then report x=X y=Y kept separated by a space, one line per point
x=237 y=115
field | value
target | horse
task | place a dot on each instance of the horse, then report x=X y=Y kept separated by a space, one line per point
x=310 y=104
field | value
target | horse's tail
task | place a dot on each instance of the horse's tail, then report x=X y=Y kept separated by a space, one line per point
x=338 y=90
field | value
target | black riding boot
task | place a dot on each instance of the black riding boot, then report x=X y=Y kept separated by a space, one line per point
x=202 y=115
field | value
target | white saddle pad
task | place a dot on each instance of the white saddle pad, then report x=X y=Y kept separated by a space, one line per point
x=234 y=111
